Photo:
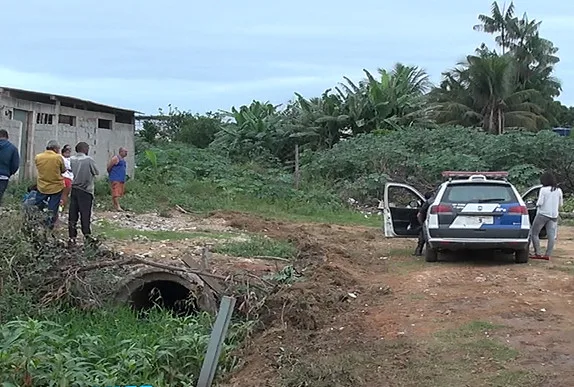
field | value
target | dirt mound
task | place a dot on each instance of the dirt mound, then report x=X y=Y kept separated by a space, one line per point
x=310 y=305
x=307 y=308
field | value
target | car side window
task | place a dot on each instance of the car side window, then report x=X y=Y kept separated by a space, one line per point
x=531 y=198
x=401 y=197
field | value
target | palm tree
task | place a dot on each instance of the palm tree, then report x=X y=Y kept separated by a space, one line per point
x=393 y=99
x=321 y=121
x=499 y=21
x=484 y=91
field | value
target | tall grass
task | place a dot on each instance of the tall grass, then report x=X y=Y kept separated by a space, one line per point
x=110 y=347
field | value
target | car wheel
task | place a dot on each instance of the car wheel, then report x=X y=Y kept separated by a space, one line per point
x=521 y=256
x=431 y=255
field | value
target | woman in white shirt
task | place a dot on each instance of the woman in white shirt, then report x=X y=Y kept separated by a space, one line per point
x=549 y=203
x=68 y=176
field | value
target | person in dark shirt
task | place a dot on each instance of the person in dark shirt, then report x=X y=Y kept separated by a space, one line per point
x=9 y=161
x=422 y=216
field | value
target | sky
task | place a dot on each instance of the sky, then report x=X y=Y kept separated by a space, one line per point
x=204 y=56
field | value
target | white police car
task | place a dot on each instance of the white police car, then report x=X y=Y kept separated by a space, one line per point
x=471 y=210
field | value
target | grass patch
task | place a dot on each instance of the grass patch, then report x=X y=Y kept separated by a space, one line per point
x=257 y=246
x=110 y=347
x=469 y=330
x=406 y=265
x=202 y=197
x=565 y=269
x=505 y=378
x=464 y=356
x=400 y=252
x=116 y=232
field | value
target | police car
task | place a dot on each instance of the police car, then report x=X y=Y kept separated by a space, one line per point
x=470 y=210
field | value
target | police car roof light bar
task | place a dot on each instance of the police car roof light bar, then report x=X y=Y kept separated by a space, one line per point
x=467 y=174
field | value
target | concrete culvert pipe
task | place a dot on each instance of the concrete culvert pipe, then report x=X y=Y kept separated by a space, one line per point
x=182 y=293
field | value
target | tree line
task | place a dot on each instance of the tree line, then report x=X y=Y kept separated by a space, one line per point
x=510 y=86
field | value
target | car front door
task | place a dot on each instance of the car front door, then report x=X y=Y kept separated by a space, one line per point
x=400 y=208
x=530 y=198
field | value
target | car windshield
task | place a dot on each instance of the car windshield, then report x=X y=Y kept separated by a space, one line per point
x=479 y=193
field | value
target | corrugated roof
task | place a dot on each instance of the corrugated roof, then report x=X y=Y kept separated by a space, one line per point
x=64 y=98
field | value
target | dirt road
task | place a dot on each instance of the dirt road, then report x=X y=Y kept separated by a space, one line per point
x=369 y=314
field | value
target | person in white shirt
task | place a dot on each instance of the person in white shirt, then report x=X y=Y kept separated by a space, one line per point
x=67 y=175
x=550 y=201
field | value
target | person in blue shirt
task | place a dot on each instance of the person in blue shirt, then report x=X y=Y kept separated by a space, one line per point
x=9 y=162
x=117 y=170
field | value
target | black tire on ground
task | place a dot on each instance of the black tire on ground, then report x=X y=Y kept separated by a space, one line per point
x=521 y=256
x=431 y=255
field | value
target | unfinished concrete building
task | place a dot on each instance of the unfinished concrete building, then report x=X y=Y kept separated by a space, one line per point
x=32 y=119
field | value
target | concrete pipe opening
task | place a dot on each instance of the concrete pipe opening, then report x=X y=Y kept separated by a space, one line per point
x=182 y=295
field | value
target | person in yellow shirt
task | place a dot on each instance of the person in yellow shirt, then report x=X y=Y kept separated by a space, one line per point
x=50 y=182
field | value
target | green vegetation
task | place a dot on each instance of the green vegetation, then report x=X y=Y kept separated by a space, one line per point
x=493 y=111
x=257 y=246
x=109 y=347
x=59 y=330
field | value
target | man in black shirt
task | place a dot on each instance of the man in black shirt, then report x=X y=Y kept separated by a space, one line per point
x=422 y=216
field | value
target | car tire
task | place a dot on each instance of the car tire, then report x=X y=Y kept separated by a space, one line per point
x=521 y=256
x=431 y=255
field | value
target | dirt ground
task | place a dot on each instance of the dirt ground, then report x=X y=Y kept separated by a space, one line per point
x=369 y=314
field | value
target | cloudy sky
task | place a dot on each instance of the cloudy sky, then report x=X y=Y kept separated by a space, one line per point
x=201 y=56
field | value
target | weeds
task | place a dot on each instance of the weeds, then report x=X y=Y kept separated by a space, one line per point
x=257 y=246
x=111 y=347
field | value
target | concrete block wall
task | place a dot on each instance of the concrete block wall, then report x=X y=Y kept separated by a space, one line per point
x=104 y=143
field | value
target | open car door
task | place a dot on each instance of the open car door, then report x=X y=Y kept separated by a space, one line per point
x=400 y=207
x=530 y=198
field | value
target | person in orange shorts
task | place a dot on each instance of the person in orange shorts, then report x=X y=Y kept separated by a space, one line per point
x=117 y=171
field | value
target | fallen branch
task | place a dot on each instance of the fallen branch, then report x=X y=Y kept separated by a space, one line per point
x=271 y=258
x=177 y=207
x=102 y=264
x=247 y=274
x=175 y=268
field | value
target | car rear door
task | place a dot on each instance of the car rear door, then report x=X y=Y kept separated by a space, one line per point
x=401 y=205
x=530 y=198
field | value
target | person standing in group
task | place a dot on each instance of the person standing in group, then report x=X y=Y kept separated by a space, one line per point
x=550 y=200
x=82 y=194
x=9 y=161
x=117 y=170
x=68 y=176
x=50 y=182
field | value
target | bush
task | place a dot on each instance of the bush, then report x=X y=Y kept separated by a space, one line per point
x=204 y=180
x=361 y=165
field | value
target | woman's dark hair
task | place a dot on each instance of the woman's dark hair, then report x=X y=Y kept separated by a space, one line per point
x=548 y=180
x=66 y=148
x=429 y=195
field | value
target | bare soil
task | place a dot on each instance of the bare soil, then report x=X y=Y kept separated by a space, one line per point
x=369 y=314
